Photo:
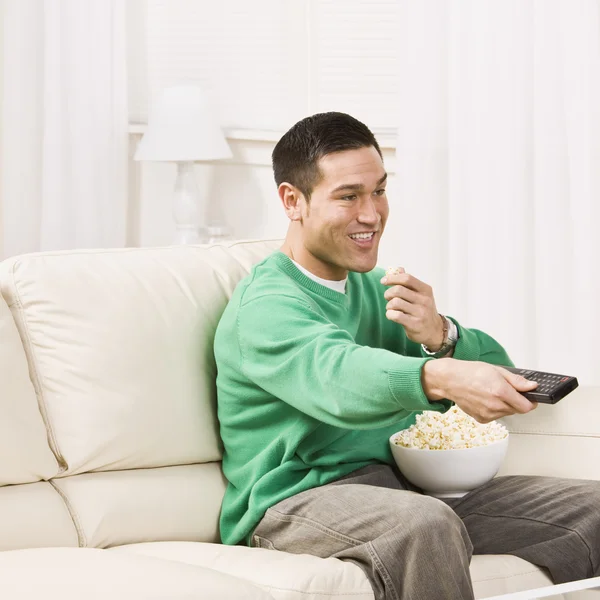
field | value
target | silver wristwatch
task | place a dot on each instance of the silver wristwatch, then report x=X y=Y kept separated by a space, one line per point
x=448 y=343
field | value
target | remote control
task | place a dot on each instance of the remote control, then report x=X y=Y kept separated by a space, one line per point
x=551 y=386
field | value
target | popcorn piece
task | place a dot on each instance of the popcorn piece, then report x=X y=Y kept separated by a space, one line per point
x=394 y=271
x=452 y=430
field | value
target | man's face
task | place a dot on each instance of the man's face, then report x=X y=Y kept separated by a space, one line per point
x=350 y=199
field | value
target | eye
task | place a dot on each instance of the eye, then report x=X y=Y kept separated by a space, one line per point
x=380 y=192
x=349 y=197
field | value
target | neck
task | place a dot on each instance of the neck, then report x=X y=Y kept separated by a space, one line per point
x=294 y=247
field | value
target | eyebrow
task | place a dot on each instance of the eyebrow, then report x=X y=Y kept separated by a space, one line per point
x=356 y=187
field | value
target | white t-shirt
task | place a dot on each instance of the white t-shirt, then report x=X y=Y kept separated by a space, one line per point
x=338 y=286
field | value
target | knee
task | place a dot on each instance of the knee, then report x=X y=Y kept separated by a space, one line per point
x=434 y=516
x=433 y=526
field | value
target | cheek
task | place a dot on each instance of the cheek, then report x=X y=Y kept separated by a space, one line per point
x=385 y=207
x=384 y=211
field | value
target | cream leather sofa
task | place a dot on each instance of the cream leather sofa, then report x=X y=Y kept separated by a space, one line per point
x=109 y=448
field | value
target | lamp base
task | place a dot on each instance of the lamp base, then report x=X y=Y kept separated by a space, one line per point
x=186 y=202
x=185 y=205
x=187 y=235
x=217 y=233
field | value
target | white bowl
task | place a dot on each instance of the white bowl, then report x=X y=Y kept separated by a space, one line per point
x=449 y=473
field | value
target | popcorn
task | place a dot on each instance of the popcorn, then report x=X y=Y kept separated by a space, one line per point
x=394 y=271
x=452 y=430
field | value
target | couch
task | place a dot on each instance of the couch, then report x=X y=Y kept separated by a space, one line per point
x=110 y=479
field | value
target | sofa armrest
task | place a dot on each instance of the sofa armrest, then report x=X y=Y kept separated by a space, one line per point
x=561 y=440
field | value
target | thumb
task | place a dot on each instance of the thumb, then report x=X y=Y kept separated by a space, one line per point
x=520 y=383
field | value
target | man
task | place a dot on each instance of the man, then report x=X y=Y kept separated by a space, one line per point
x=321 y=358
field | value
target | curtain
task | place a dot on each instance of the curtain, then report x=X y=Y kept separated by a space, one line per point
x=63 y=125
x=498 y=160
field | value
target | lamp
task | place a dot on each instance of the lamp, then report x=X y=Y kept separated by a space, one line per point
x=182 y=129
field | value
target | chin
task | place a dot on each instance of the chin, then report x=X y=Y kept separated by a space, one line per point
x=363 y=266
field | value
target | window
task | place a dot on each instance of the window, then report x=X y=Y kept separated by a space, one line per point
x=268 y=63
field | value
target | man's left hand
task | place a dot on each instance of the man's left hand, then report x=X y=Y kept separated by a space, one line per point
x=412 y=305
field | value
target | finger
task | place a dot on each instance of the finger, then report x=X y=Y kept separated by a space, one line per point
x=517 y=381
x=517 y=401
x=398 y=317
x=409 y=281
x=493 y=414
x=390 y=274
x=399 y=291
x=399 y=304
x=520 y=384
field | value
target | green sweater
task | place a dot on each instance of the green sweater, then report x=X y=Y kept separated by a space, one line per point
x=311 y=384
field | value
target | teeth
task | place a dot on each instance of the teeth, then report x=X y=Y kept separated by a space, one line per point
x=362 y=236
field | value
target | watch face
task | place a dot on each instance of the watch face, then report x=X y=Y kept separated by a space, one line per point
x=452 y=331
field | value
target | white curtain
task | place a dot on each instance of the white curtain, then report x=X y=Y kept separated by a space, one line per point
x=63 y=125
x=499 y=171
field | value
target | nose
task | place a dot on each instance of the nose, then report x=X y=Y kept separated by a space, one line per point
x=367 y=212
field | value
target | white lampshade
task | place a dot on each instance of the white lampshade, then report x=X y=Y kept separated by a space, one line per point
x=182 y=127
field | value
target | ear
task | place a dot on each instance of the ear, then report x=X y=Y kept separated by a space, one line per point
x=292 y=199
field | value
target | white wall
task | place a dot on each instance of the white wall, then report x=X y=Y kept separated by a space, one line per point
x=339 y=55
x=266 y=64
x=242 y=188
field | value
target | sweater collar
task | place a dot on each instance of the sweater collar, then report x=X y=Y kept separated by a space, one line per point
x=337 y=286
x=286 y=264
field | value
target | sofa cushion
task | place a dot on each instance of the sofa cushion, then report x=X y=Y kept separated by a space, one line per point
x=560 y=440
x=25 y=455
x=34 y=515
x=77 y=573
x=286 y=576
x=303 y=577
x=119 y=344
x=495 y=574
x=166 y=503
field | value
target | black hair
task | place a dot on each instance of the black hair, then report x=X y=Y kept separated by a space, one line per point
x=296 y=155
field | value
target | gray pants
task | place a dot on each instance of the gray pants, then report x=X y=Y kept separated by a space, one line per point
x=415 y=547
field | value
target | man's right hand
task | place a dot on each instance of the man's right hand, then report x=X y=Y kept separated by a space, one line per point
x=486 y=392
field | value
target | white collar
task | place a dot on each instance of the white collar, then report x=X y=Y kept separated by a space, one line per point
x=337 y=286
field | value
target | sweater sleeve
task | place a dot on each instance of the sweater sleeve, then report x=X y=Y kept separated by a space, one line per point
x=473 y=344
x=295 y=354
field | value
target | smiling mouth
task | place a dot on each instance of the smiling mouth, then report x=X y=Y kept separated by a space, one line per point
x=362 y=237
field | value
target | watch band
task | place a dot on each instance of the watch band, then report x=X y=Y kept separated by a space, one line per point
x=450 y=339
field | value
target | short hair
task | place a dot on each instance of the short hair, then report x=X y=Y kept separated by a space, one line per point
x=297 y=154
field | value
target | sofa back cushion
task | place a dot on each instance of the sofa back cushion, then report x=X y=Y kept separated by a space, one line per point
x=106 y=359
x=119 y=344
x=559 y=440
x=25 y=455
x=32 y=514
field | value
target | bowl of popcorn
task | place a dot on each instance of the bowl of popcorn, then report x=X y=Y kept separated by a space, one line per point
x=449 y=454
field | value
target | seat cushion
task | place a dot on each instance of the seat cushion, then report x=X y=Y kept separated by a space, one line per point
x=285 y=576
x=112 y=508
x=495 y=574
x=77 y=573
x=303 y=577
x=34 y=515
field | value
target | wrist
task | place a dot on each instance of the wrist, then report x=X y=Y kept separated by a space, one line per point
x=433 y=378
x=450 y=338
x=440 y=338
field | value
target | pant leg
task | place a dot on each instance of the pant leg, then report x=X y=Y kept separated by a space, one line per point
x=550 y=522
x=410 y=546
